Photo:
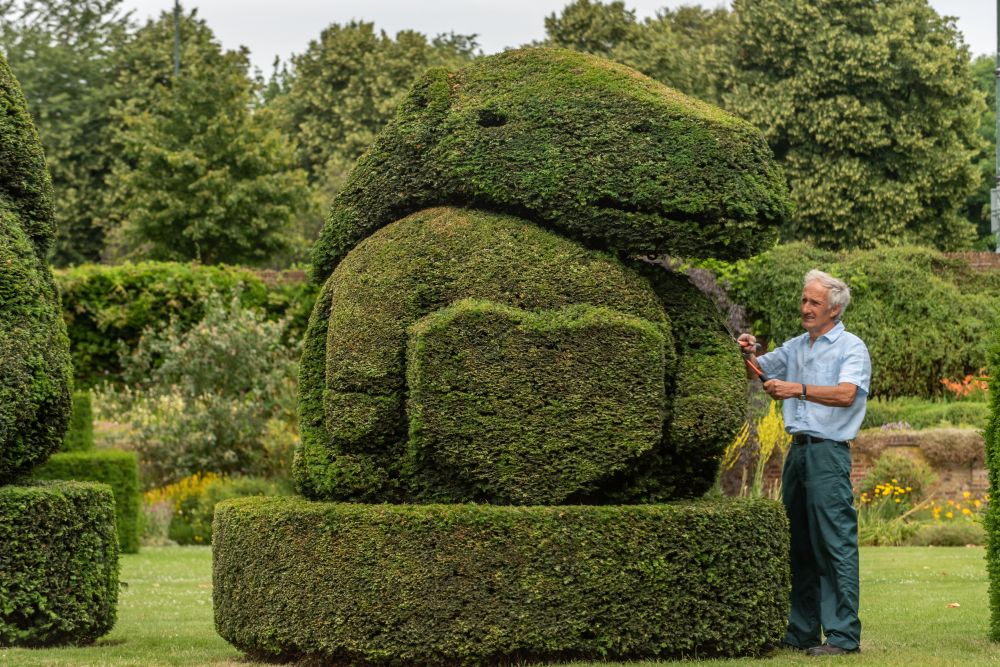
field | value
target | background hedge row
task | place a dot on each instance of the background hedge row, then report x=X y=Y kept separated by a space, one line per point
x=106 y=307
x=59 y=563
x=117 y=469
x=449 y=584
x=922 y=315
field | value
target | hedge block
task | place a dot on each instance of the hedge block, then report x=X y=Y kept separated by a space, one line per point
x=59 y=563
x=533 y=408
x=80 y=434
x=474 y=584
x=117 y=469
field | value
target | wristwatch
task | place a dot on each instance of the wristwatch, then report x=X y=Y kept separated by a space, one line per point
x=802 y=396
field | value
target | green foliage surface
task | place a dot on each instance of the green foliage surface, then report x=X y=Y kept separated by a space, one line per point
x=872 y=111
x=924 y=317
x=534 y=408
x=107 y=307
x=34 y=355
x=63 y=53
x=568 y=141
x=80 y=434
x=503 y=582
x=346 y=86
x=117 y=469
x=977 y=205
x=193 y=515
x=353 y=379
x=683 y=47
x=209 y=398
x=922 y=413
x=25 y=186
x=992 y=521
x=59 y=558
x=170 y=595
x=198 y=173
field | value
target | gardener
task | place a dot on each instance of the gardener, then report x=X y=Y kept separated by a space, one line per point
x=823 y=377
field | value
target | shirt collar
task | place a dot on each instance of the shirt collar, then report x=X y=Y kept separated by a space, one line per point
x=833 y=334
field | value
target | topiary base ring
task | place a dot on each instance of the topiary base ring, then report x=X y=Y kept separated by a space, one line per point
x=471 y=584
x=58 y=563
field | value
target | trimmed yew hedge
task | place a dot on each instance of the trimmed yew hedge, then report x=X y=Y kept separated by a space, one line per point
x=108 y=306
x=117 y=469
x=80 y=434
x=450 y=584
x=992 y=520
x=357 y=436
x=572 y=142
x=58 y=563
x=533 y=407
x=34 y=355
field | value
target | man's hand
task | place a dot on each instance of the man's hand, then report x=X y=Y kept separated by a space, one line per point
x=779 y=390
x=747 y=343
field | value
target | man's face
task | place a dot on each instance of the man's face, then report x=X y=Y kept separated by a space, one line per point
x=817 y=315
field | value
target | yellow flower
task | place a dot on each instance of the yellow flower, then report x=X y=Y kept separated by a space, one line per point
x=966 y=494
x=950 y=515
x=909 y=488
x=978 y=504
x=895 y=481
x=967 y=512
x=898 y=500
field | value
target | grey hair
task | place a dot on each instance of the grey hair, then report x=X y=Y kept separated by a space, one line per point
x=840 y=293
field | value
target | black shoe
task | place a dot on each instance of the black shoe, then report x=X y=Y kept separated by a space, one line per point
x=829 y=649
x=780 y=646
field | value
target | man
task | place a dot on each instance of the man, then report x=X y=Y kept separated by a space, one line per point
x=823 y=378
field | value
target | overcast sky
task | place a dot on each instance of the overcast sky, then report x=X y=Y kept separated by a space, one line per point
x=272 y=28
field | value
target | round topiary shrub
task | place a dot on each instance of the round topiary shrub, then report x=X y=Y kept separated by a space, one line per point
x=525 y=395
x=59 y=563
x=481 y=584
x=484 y=334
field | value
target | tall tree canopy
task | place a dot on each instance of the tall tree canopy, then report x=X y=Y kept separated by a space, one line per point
x=346 y=86
x=683 y=48
x=201 y=174
x=62 y=53
x=977 y=206
x=871 y=107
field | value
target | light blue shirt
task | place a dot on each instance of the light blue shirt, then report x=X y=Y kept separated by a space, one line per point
x=836 y=356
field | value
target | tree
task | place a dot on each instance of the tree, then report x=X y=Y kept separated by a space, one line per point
x=977 y=206
x=683 y=48
x=679 y=47
x=202 y=174
x=346 y=87
x=62 y=52
x=872 y=110
x=591 y=27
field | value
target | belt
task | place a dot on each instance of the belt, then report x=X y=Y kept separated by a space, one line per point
x=806 y=439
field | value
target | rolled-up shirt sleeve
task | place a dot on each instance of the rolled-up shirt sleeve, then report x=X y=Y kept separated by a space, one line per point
x=856 y=366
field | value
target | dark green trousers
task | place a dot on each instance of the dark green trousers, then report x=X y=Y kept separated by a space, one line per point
x=816 y=491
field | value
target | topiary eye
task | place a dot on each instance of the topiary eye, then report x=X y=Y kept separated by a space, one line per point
x=491 y=118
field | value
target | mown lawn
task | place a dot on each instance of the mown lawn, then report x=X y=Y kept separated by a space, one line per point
x=165 y=615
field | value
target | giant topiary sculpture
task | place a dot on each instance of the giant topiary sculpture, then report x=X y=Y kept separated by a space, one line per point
x=58 y=552
x=484 y=341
